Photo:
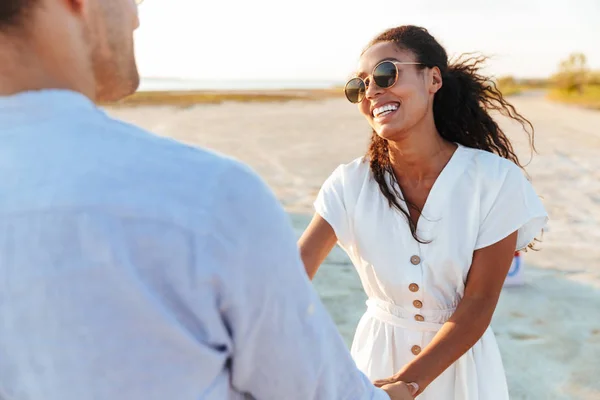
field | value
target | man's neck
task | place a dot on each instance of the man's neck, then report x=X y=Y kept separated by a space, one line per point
x=23 y=69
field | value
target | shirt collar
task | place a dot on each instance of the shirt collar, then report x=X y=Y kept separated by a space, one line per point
x=35 y=105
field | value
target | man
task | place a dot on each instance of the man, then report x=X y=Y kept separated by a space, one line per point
x=131 y=266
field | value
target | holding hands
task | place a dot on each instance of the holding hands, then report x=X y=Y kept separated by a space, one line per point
x=398 y=390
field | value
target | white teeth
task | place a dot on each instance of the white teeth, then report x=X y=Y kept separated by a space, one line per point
x=388 y=108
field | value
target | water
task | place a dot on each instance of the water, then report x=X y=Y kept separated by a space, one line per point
x=165 y=84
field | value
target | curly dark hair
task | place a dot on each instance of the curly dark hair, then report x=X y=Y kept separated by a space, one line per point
x=461 y=108
x=13 y=12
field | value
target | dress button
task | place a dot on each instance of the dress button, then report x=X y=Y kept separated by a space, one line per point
x=417 y=304
x=416 y=350
x=419 y=318
x=413 y=287
x=415 y=260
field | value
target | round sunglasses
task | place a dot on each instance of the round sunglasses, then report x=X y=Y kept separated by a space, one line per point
x=385 y=75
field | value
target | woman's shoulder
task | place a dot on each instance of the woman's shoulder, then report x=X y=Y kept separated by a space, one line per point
x=359 y=164
x=490 y=167
x=339 y=192
x=492 y=177
x=353 y=171
x=347 y=180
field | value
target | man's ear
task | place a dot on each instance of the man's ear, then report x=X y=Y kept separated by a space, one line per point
x=77 y=6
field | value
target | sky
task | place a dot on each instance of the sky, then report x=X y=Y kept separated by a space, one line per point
x=321 y=40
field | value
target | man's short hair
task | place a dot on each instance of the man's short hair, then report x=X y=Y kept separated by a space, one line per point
x=14 y=12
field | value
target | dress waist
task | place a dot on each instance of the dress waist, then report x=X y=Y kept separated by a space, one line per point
x=398 y=316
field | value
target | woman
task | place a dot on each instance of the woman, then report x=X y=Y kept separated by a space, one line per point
x=431 y=218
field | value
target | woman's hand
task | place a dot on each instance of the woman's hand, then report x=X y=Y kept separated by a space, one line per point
x=412 y=386
x=387 y=381
x=399 y=390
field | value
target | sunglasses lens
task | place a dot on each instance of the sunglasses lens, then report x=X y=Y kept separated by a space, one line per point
x=355 y=90
x=385 y=74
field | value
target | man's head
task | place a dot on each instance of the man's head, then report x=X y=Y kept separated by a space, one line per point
x=82 y=45
x=12 y=12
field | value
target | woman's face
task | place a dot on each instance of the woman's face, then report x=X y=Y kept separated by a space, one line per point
x=393 y=111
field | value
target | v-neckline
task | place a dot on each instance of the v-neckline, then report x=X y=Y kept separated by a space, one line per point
x=446 y=178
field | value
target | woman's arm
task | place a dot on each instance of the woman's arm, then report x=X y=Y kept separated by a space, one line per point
x=315 y=244
x=472 y=317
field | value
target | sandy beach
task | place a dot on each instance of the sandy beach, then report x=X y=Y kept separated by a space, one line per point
x=549 y=329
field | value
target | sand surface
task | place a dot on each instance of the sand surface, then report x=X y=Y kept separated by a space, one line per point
x=549 y=329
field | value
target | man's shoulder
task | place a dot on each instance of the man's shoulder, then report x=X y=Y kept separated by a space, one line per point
x=169 y=160
x=151 y=148
x=167 y=174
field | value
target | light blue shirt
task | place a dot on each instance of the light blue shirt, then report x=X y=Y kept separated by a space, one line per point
x=135 y=267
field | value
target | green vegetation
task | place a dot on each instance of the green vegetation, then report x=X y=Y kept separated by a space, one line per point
x=510 y=86
x=188 y=98
x=574 y=83
x=588 y=97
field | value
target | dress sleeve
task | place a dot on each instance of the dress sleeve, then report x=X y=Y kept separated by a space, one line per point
x=331 y=205
x=515 y=207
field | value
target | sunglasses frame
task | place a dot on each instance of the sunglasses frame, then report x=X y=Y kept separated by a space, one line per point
x=364 y=91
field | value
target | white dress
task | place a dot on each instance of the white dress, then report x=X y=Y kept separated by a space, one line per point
x=478 y=199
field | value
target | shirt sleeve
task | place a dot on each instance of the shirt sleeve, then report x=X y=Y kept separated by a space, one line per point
x=285 y=345
x=514 y=207
x=331 y=206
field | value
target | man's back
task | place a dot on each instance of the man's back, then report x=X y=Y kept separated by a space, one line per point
x=135 y=267
x=99 y=224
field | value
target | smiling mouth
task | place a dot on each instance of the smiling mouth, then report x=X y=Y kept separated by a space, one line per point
x=385 y=109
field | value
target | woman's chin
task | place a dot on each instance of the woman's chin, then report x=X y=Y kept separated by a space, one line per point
x=390 y=132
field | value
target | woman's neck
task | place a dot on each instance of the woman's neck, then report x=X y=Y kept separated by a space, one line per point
x=421 y=155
